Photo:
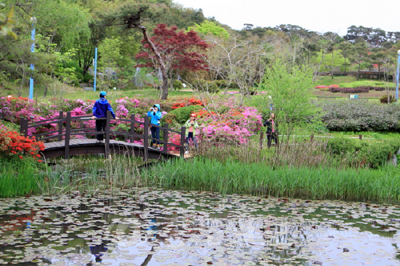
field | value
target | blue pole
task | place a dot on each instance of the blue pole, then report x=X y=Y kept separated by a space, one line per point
x=32 y=66
x=397 y=75
x=95 y=69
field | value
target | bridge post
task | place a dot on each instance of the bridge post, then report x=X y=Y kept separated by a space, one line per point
x=67 y=135
x=165 y=149
x=183 y=139
x=132 y=127
x=23 y=126
x=107 y=140
x=60 y=126
x=146 y=139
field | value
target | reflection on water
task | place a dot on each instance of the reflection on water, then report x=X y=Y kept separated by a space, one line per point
x=147 y=227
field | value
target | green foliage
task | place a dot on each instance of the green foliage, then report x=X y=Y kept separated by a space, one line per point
x=231 y=177
x=384 y=99
x=220 y=83
x=109 y=52
x=361 y=116
x=367 y=83
x=19 y=177
x=362 y=153
x=177 y=84
x=290 y=89
x=181 y=115
x=209 y=27
x=205 y=85
x=68 y=21
x=326 y=60
x=7 y=23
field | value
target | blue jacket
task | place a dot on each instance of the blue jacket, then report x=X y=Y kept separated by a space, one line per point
x=155 y=117
x=100 y=108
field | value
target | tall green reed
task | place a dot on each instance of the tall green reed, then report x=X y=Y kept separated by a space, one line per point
x=19 y=178
x=231 y=177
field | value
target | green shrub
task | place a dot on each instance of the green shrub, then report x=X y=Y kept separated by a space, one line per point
x=181 y=115
x=79 y=76
x=361 y=116
x=177 y=84
x=220 y=83
x=233 y=85
x=363 y=153
x=384 y=99
x=204 y=85
x=88 y=77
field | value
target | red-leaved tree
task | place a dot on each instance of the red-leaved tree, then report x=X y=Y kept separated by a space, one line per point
x=178 y=50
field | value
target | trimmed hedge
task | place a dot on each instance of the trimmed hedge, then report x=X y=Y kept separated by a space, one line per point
x=361 y=116
x=363 y=153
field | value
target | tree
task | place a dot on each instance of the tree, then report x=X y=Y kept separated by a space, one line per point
x=178 y=50
x=345 y=48
x=359 y=54
x=7 y=22
x=290 y=88
x=209 y=27
x=238 y=62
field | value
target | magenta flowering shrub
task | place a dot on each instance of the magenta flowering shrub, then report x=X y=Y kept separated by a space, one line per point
x=227 y=123
x=236 y=126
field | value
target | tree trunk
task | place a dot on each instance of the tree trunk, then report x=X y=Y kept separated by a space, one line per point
x=164 y=88
x=358 y=72
x=332 y=66
x=379 y=72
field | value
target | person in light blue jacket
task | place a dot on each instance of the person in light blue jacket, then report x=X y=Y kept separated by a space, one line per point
x=155 y=116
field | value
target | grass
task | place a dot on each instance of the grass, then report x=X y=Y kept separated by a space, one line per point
x=231 y=177
x=19 y=178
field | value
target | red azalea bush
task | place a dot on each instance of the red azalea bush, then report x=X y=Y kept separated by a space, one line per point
x=187 y=102
x=13 y=145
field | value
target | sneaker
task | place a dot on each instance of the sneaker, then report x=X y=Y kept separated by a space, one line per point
x=158 y=147
x=99 y=141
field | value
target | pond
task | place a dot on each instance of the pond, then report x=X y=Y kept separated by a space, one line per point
x=158 y=227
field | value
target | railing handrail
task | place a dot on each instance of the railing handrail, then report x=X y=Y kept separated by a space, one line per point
x=65 y=122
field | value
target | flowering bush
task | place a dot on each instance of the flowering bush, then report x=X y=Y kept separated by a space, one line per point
x=12 y=145
x=237 y=125
x=187 y=102
x=226 y=122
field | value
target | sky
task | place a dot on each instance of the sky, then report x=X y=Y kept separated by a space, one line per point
x=314 y=15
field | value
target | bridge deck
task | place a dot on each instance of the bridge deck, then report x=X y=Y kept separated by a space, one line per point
x=87 y=146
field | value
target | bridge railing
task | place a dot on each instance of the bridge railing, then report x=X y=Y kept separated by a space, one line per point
x=64 y=130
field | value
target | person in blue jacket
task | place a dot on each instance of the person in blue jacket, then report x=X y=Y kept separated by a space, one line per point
x=155 y=115
x=100 y=108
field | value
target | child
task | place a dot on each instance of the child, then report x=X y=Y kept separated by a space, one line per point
x=191 y=126
x=100 y=108
x=155 y=115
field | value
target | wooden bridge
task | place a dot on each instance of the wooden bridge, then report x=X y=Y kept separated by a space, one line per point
x=64 y=142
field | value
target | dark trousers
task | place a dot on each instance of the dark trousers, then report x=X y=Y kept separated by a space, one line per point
x=100 y=126
x=193 y=138
x=271 y=137
x=155 y=134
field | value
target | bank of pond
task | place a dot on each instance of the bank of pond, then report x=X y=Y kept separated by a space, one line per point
x=201 y=174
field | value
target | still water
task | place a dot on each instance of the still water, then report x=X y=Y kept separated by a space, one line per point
x=158 y=227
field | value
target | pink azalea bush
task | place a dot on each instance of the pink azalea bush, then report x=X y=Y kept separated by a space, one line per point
x=228 y=123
